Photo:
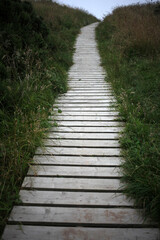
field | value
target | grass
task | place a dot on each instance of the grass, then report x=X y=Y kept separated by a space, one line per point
x=129 y=44
x=36 y=47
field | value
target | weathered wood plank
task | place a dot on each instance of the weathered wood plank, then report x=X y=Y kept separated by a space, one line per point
x=96 y=114
x=88 y=136
x=85 y=109
x=87 y=94
x=89 y=124
x=93 y=88
x=89 y=101
x=75 y=184
x=83 y=118
x=13 y=232
x=83 y=85
x=110 y=98
x=81 y=143
x=87 y=129
x=74 y=198
x=55 y=215
x=83 y=105
x=84 y=91
x=84 y=151
x=77 y=160
x=42 y=170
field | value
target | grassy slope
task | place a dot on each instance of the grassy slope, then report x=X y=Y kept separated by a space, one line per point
x=34 y=58
x=129 y=43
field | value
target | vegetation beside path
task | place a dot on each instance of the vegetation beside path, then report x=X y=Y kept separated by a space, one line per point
x=36 y=46
x=129 y=43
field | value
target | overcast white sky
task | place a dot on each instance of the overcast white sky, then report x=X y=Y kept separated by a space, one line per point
x=99 y=8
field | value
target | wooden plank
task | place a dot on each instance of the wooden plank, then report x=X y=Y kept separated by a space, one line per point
x=88 y=94
x=81 y=143
x=76 y=101
x=83 y=85
x=90 y=88
x=59 y=135
x=85 y=97
x=84 y=151
x=89 y=82
x=74 y=184
x=83 y=105
x=87 y=129
x=66 y=215
x=84 y=91
x=71 y=113
x=34 y=197
x=42 y=170
x=85 y=109
x=78 y=160
x=88 y=123
x=20 y=232
x=83 y=118
x=89 y=78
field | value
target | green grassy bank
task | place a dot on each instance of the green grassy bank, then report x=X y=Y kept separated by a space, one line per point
x=36 y=47
x=129 y=43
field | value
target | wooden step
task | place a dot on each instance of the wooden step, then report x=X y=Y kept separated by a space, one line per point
x=76 y=216
x=94 y=172
x=72 y=184
x=82 y=135
x=81 y=143
x=78 y=233
x=88 y=123
x=77 y=160
x=87 y=129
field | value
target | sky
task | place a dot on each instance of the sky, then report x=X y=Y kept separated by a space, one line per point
x=99 y=8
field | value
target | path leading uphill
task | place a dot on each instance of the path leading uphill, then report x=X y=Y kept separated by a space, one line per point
x=72 y=191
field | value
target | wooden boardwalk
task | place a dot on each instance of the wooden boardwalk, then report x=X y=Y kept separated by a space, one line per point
x=72 y=190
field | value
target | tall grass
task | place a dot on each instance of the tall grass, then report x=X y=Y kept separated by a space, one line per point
x=36 y=46
x=129 y=43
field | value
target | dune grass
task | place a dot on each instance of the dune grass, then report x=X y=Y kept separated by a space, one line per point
x=129 y=43
x=36 y=47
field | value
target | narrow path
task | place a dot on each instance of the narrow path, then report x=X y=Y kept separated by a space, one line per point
x=72 y=191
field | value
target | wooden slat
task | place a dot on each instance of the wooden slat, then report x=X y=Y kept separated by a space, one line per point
x=77 y=233
x=84 y=151
x=78 y=160
x=89 y=124
x=65 y=215
x=81 y=143
x=92 y=101
x=83 y=118
x=86 y=109
x=84 y=91
x=83 y=105
x=76 y=184
x=79 y=135
x=41 y=170
x=95 y=114
x=84 y=85
x=76 y=94
x=87 y=129
x=92 y=88
x=63 y=97
x=74 y=198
